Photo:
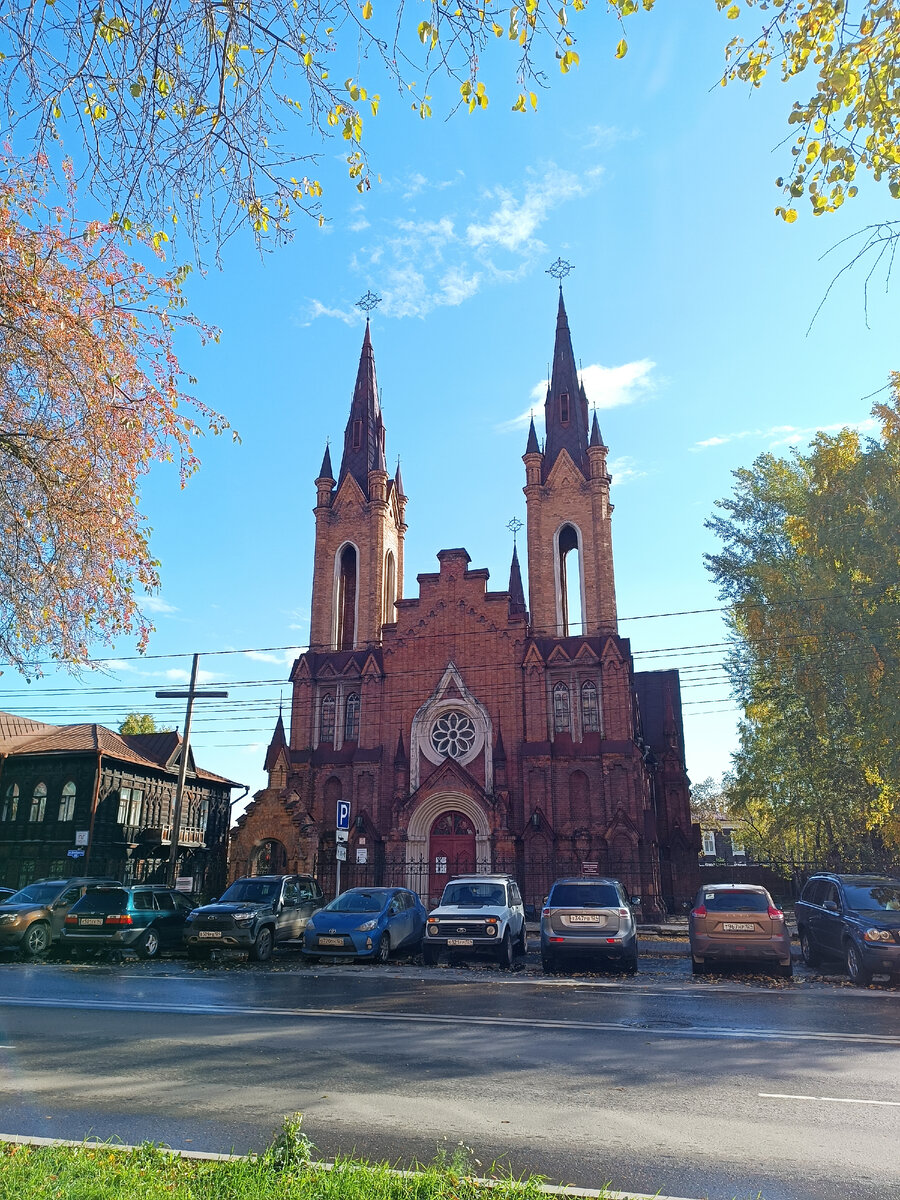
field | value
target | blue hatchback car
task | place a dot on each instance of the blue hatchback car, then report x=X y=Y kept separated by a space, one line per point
x=366 y=922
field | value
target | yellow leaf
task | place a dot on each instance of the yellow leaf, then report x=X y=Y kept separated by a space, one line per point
x=367 y=10
x=621 y=49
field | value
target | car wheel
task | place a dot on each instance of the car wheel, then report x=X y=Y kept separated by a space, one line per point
x=522 y=944
x=785 y=971
x=505 y=953
x=36 y=940
x=148 y=946
x=857 y=970
x=430 y=955
x=198 y=953
x=261 y=950
x=811 y=956
x=697 y=968
x=383 y=953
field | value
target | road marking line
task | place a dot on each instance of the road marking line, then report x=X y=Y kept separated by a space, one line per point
x=827 y=1099
x=510 y=1023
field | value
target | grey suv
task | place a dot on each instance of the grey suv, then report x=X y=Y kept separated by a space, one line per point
x=478 y=914
x=254 y=914
x=31 y=919
x=587 y=917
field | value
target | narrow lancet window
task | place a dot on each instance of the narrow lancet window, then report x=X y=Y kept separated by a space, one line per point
x=346 y=600
x=562 y=720
x=569 y=571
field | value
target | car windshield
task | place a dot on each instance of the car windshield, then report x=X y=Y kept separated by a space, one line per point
x=735 y=901
x=358 y=902
x=251 y=891
x=36 y=893
x=473 y=895
x=584 y=895
x=102 y=900
x=879 y=897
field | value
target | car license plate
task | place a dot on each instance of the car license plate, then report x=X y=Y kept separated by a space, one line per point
x=460 y=942
x=328 y=941
x=90 y=920
x=209 y=933
x=737 y=927
x=583 y=919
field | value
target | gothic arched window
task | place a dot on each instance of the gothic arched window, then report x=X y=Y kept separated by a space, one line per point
x=345 y=600
x=390 y=588
x=326 y=721
x=67 y=802
x=562 y=719
x=11 y=803
x=38 y=802
x=351 y=718
x=590 y=709
x=569 y=582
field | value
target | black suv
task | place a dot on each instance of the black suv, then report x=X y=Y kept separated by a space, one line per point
x=852 y=917
x=254 y=914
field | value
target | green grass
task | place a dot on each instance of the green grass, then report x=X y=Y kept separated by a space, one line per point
x=284 y=1172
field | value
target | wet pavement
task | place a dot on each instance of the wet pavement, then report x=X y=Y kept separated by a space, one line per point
x=720 y=1086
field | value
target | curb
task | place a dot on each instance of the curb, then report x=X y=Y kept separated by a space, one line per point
x=548 y=1189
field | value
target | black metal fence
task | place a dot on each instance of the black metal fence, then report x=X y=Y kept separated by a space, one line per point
x=785 y=877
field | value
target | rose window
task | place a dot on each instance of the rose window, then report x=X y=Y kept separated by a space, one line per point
x=453 y=735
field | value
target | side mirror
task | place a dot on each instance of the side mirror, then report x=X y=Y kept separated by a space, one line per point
x=214 y=900
x=831 y=906
x=636 y=901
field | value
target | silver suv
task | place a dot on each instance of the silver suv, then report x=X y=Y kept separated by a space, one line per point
x=31 y=919
x=587 y=917
x=478 y=914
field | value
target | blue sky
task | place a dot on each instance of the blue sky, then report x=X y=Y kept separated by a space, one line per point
x=689 y=306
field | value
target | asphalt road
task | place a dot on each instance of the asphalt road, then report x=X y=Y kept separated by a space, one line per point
x=694 y=1088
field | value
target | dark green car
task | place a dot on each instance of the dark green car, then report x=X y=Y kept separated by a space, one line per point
x=146 y=918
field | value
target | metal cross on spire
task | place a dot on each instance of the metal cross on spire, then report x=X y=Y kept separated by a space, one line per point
x=514 y=526
x=560 y=269
x=368 y=302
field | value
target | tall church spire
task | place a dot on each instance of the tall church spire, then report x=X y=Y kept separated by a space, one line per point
x=565 y=409
x=516 y=590
x=364 y=435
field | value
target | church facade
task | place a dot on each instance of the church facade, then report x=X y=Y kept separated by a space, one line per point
x=468 y=730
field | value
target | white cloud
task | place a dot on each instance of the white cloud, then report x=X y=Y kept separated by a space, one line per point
x=179 y=675
x=350 y=316
x=513 y=224
x=359 y=225
x=279 y=658
x=606 y=387
x=156 y=604
x=784 y=435
x=624 y=470
x=604 y=137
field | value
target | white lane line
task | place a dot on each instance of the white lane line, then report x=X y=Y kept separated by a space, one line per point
x=827 y=1099
x=508 y=1024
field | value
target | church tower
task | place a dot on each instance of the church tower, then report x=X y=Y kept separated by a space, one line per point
x=571 y=583
x=358 y=565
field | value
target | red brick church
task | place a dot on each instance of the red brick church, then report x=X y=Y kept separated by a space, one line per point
x=471 y=731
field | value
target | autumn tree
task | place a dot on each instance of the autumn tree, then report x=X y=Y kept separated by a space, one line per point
x=810 y=568
x=137 y=722
x=211 y=114
x=91 y=395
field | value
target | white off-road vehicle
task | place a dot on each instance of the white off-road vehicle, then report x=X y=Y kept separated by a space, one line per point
x=478 y=914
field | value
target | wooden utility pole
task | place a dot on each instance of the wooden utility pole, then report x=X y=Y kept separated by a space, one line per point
x=190 y=695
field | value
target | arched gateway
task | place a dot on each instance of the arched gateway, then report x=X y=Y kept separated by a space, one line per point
x=448 y=834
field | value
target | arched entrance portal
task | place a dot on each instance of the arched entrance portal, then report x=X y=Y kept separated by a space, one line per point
x=451 y=851
x=269 y=858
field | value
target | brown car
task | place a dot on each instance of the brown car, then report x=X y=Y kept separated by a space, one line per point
x=738 y=922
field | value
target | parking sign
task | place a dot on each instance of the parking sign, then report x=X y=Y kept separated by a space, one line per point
x=343 y=814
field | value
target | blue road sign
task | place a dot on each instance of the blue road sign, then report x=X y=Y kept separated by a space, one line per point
x=343 y=814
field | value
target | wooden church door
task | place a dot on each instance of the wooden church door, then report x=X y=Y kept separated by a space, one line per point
x=451 y=851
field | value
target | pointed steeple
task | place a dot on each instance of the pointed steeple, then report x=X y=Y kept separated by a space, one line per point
x=565 y=409
x=364 y=435
x=532 y=446
x=398 y=480
x=516 y=590
x=327 y=470
x=499 y=751
x=596 y=435
x=277 y=744
x=400 y=759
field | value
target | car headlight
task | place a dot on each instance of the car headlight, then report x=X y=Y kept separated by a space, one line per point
x=878 y=935
x=366 y=926
x=491 y=931
x=5 y=918
x=243 y=918
x=433 y=931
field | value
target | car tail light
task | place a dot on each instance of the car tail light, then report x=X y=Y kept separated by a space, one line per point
x=775 y=913
x=119 y=919
x=623 y=912
x=556 y=939
x=699 y=911
x=545 y=912
x=71 y=921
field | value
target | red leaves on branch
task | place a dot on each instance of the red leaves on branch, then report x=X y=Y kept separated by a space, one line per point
x=90 y=396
